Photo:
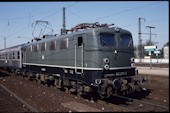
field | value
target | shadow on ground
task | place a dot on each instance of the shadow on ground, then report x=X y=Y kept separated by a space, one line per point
x=121 y=101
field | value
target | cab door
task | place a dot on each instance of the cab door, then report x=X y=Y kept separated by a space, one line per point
x=79 y=53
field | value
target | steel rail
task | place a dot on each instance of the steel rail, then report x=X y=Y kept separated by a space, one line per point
x=19 y=99
x=123 y=109
x=143 y=102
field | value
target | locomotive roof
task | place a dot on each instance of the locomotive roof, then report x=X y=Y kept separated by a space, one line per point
x=52 y=37
x=86 y=31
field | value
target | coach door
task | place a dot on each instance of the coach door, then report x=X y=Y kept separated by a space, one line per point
x=79 y=53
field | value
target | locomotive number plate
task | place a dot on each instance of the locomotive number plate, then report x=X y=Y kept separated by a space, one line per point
x=121 y=73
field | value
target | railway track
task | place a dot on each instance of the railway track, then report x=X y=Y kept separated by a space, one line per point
x=9 y=102
x=139 y=104
x=115 y=107
x=132 y=105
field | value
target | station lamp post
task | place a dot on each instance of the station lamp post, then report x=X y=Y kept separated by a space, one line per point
x=150 y=27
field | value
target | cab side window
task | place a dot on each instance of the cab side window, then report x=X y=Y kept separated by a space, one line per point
x=42 y=46
x=80 y=41
x=64 y=43
x=52 y=45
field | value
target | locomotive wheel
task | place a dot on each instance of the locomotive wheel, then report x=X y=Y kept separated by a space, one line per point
x=105 y=91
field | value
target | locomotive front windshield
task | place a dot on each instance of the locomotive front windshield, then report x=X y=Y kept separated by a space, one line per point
x=122 y=40
x=126 y=40
x=107 y=39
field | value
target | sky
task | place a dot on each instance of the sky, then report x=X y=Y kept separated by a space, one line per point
x=18 y=20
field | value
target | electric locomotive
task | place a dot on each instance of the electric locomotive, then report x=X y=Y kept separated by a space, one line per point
x=91 y=58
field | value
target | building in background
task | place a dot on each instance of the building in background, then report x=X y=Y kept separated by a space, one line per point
x=166 y=51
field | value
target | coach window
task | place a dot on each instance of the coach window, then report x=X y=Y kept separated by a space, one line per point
x=2 y=56
x=80 y=41
x=52 y=45
x=13 y=55
x=6 y=56
x=18 y=55
x=64 y=43
x=10 y=56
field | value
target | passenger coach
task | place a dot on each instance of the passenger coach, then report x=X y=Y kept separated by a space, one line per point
x=11 y=58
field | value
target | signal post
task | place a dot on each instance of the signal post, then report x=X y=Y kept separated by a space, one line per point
x=150 y=49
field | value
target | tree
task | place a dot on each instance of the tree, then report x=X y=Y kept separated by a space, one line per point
x=147 y=43
x=135 y=49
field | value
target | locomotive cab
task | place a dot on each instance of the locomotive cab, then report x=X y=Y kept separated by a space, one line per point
x=117 y=48
x=116 y=56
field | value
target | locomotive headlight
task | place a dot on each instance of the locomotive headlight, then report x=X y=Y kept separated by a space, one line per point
x=98 y=81
x=106 y=66
x=106 y=60
x=132 y=65
x=132 y=59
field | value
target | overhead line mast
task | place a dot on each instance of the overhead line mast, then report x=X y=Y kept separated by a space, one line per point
x=139 y=47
